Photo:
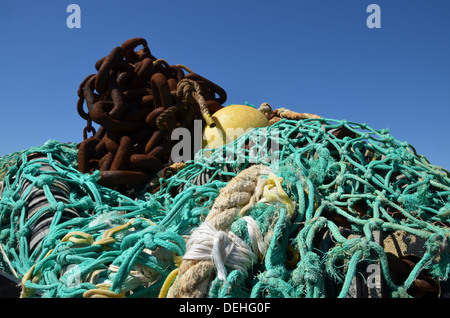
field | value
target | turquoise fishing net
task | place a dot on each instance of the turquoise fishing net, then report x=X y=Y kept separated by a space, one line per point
x=348 y=181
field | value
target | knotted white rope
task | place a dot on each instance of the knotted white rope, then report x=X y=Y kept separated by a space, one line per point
x=222 y=248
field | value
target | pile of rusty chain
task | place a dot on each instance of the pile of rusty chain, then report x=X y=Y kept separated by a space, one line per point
x=137 y=100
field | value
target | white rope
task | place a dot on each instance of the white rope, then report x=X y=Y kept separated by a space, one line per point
x=256 y=238
x=223 y=249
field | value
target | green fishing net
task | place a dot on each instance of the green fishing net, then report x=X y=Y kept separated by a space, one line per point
x=352 y=186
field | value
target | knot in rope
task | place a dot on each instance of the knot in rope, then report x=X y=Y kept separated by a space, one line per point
x=375 y=223
x=309 y=269
x=185 y=88
x=23 y=232
x=273 y=192
x=190 y=90
x=19 y=204
x=86 y=203
x=49 y=242
x=437 y=243
x=83 y=179
x=224 y=249
x=44 y=180
x=149 y=241
x=6 y=194
x=57 y=207
x=154 y=236
x=410 y=201
x=400 y=293
x=265 y=108
x=61 y=257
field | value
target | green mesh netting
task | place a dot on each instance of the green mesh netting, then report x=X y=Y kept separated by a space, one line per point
x=347 y=180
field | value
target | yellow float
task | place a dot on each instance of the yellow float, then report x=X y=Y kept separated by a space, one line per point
x=231 y=122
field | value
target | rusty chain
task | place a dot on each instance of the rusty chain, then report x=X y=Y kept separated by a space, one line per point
x=137 y=100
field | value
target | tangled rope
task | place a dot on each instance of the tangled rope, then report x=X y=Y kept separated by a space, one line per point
x=316 y=203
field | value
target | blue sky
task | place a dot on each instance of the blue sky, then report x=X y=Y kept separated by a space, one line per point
x=310 y=56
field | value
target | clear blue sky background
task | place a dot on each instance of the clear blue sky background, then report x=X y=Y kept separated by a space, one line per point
x=310 y=56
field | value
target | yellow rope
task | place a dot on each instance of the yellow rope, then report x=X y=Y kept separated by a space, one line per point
x=167 y=283
x=107 y=235
x=85 y=238
x=29 y=276
x=274 y=183
x=5 y=257
x=178 y=259
x=102 y=291
x=171 y=277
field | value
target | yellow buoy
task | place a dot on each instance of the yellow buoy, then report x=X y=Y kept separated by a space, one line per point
x=231 y=122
